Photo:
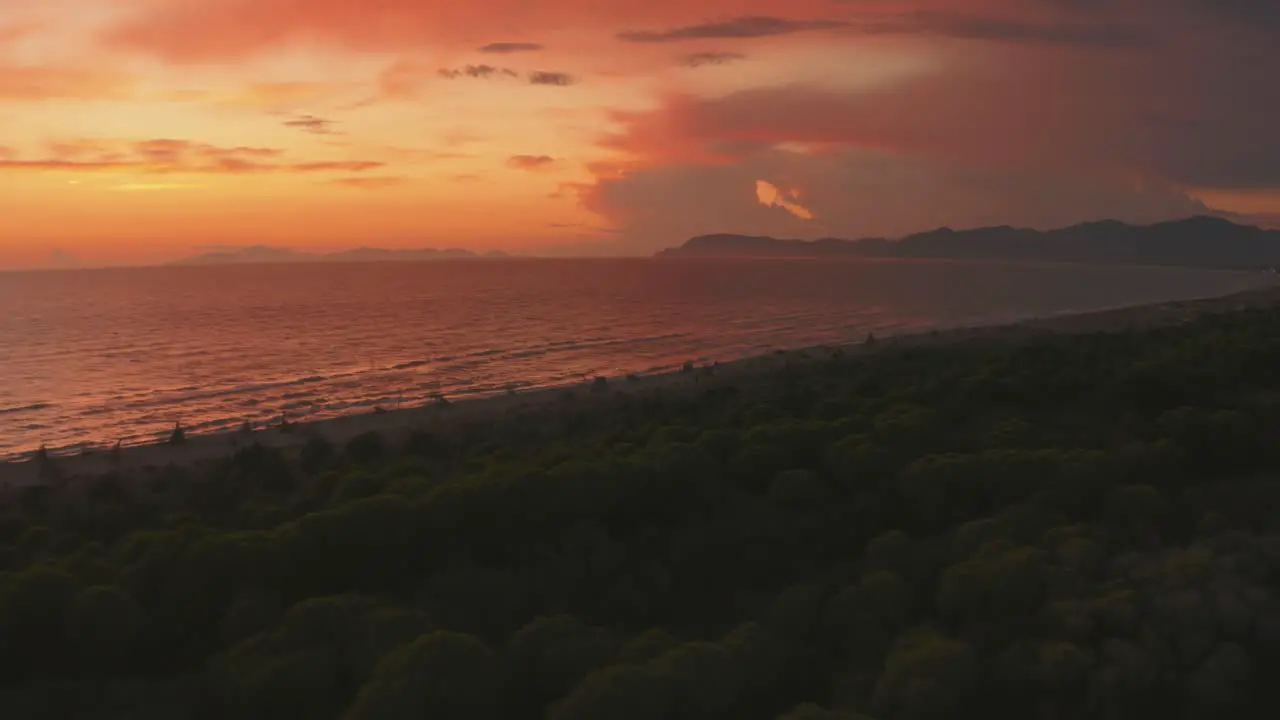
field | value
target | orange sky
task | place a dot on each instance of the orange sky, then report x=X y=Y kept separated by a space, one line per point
x=142 y=130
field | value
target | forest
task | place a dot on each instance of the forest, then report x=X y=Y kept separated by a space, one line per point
x=1051 y=527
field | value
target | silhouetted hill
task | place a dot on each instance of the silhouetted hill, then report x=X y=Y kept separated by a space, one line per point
x=1200 y=241
x=264 y=254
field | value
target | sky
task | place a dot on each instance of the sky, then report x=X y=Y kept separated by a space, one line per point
x=135 y=131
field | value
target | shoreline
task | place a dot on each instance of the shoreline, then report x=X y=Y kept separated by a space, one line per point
x=200 y=448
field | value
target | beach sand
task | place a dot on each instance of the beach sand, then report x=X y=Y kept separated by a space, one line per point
x=401 y=422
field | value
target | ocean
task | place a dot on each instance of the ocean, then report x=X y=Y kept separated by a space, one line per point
x=92 y=357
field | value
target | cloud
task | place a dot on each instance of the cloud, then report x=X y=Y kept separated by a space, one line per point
x=771 y=195
x=749 y=26
x=14 y=31
x=278 y=96
x=331 y=166
x=1037 y=133
x=699 y=59
x=1258 y=15
x=484 y=72
x=476 y=71
x=505 y=48
x=544 y=77
x=165 y=156
x=154 y=187
x=370 y=183
x=981 y=27
x=218 y=30
x=401 y=80
x=530 y=162
x=312 y=124
x=198 y=31
x=968 y=26
x=853 y=193
x=1192 y=116
x=39 y=82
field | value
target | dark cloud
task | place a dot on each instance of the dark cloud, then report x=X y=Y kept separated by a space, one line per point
x=923 y=22
x=476 y=71
x=1263 y=12
x=530 y=162
x=1195 y=115
x=699 y=59
x=312 y=124
x=505 y=48
x=857 y=193
x=981 y=27
x=543 y=77
x=1259 y=13
x=750 y=26
x=484 y=72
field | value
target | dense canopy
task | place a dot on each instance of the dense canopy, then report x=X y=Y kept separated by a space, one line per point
x=1044 y=527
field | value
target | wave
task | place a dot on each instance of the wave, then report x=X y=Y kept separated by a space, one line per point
x=250 y=355
x=447 y=363
x=25 y=408
x=165 y=398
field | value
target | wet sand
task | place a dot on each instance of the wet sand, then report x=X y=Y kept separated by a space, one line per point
x=401 y=422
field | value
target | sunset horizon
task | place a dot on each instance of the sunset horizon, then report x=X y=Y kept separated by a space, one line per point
x=138 y=133
x=657 y=360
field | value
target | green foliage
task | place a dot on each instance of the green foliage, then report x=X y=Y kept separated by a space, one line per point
x=442 y=675
x=33 y=631
x=1049 y=527
x=103 y=624
x=618 y=692
x=811 y=711
x=548 y=657
x=927 y=676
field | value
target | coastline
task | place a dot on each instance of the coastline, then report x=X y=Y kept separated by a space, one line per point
x=338 y=430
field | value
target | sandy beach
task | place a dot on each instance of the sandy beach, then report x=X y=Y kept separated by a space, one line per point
x=397 y=423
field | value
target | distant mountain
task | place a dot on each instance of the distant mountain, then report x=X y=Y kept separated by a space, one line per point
x=264 y=254
x=1200 y=241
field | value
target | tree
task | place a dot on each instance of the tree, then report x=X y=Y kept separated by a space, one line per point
x=646 y=646
x=705 y=680
x=926 y=676
x=441 y=675
x=1137 y=509
x=813 y=711
x=1063 y=671
x=252 y=612
x=33 y=627
x=799 y=489
x=618 y=692
x=1221 y=681
x=891 y=551
x=312 y=663
x=548 y=657
x=102 y=624
x=365 y=447
x=1123 y=678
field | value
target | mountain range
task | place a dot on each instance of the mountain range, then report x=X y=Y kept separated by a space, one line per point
x=1200 y=241
x=265 y=254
